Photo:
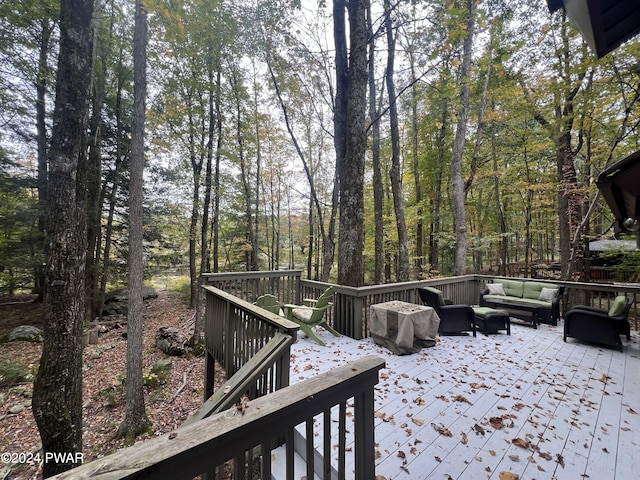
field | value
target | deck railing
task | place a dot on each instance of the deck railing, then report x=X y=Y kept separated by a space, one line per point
x=247 y=438
x=235 y=330
x=350 y=313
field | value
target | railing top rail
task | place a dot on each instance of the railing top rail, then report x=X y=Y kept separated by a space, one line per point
x=387 y=287
x=253 y=274
x=281 y=323
x=188 y=452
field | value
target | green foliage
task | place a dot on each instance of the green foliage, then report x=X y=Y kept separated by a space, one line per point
x=157 y=374
x=182 y=286
x=13 y=373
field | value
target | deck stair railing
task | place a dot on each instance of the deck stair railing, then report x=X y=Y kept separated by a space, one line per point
x=206 y=446
x=235 y=332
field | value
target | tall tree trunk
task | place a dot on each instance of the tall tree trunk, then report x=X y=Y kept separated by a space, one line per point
x=198 y=326
x=351 y=164
x=95 y=195
x=395 y=172
x=57 y=395
x=457 y=182
x=434 y=241
x=135 y=420
x=216 y=176
x=504 y=245
x=41 y=136
x=416 y=170
x=327 y=236
x=378 y=187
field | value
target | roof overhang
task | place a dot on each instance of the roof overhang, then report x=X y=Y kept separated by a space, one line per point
x=620 y=186
x=604 y=24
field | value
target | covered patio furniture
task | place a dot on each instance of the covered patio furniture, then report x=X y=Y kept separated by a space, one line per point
x=598 y=325
x=454 y=319
x=311 y=314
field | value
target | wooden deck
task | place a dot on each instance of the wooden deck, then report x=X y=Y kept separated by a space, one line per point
x=471 y=408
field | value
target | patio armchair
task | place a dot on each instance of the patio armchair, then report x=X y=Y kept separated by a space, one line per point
x=599 y=325
x=270 y=303
x=454 y=319
x=311 y=314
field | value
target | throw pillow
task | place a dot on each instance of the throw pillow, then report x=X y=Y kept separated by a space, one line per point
x=548 y=294
x=618 y=306
x=495 y=289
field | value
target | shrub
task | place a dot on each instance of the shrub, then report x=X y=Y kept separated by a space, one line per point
x=12 y=373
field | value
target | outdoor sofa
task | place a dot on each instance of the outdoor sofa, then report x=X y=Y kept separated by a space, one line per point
x=513 y=293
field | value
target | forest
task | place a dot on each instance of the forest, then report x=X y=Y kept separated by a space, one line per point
x=486 y=124
x=361 y=141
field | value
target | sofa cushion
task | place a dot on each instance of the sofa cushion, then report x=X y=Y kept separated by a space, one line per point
x=495 y=289
x=548 y=294
x=532 y=290
x=618 y=306
x=512 y=288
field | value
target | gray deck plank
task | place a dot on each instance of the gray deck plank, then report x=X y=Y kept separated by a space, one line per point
x=547 y=391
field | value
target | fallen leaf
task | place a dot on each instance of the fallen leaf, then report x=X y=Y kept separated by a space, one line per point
x=545 y=455
x=478 y=429
x=442 y=430
x=461 y=399
x=496 y=422
x=465 y=439
x=417 y=421
x=419 y=401
x=560 y=460
x=508 y=476
x=519 y=442
x=632 y=411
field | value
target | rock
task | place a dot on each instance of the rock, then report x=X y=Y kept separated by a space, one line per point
x=27 y=333
x=90 y=337
x=171 y=341
x=116 y=302
x=16 y=409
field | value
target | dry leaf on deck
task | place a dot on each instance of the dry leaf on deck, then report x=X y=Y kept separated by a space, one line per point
x=545 y=455
x=520 y=442
x=417 y=421
x=478 y=429
x=442 y=430
x=508 y=476
x=496 y=422
x=419 y=401
x=465 y=439
x=632 y=411
x=462 y=399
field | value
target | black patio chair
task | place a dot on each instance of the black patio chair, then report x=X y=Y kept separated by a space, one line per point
x=599 y=325
x=454 y=319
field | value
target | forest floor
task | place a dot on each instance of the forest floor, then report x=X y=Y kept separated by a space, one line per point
x=168 y=404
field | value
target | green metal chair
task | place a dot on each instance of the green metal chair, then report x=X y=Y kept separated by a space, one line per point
x=311 y=314
x=270 y=303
